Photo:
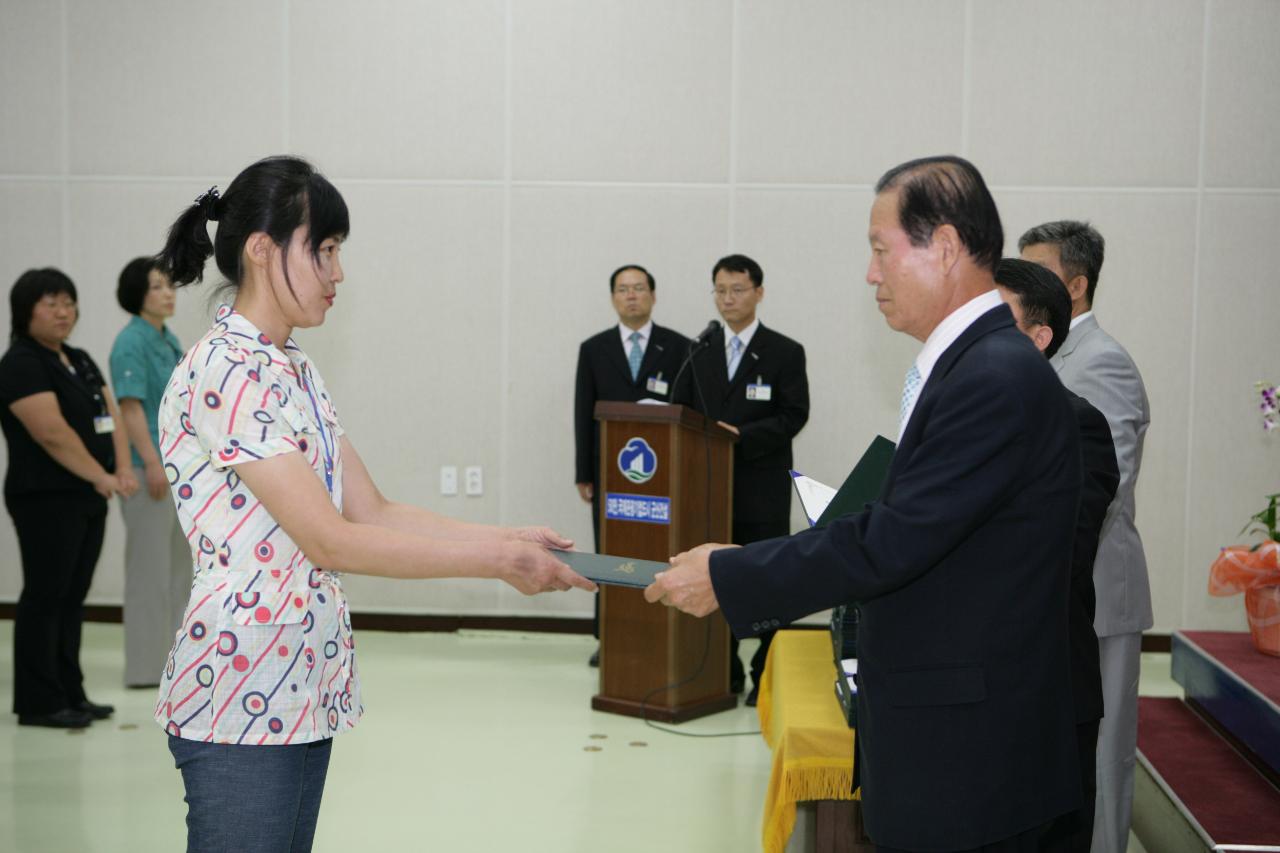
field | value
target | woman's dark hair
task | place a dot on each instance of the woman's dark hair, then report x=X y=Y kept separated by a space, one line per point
x=275 y=196
x=30 y=288
x=135 y=281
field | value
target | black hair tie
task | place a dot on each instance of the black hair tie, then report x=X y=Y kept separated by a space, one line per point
x=208 y=204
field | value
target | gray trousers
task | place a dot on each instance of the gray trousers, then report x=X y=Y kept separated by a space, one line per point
x=1120 y=657
x=157 y=583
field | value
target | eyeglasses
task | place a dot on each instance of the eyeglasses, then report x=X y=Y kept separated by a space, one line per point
x=735 y=292
x=637 y=289
x=53 y=303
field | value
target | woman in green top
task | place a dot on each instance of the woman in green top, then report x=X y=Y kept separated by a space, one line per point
x=157 y=563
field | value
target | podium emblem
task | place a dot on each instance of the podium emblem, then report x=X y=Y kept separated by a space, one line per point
x=637 y=461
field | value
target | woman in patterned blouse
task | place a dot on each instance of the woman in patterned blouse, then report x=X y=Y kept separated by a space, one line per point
x=275 y=502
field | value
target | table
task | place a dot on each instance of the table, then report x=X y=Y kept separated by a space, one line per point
x=812 y=745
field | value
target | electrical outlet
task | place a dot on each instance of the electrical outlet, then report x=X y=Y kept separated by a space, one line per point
x=448 y=479
x=475 y=480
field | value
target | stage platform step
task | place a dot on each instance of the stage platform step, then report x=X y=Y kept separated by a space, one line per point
x=1235 y=685
x=1194 y=791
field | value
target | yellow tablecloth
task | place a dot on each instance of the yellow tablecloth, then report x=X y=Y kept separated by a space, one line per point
x=802 y=722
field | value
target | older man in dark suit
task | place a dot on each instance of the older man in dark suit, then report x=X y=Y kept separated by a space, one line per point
x=752 y=380
x=629 y=361
x=966 y=731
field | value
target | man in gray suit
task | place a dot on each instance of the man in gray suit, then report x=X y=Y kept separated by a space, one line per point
x=1092 y=364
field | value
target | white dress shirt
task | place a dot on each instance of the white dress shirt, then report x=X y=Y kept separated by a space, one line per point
x=645 y=331
x=946 y=333
x=1076 y=321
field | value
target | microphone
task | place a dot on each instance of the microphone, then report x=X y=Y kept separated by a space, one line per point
x=704 y=337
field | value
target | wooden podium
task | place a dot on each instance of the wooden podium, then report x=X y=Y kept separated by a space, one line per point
x=666 y=477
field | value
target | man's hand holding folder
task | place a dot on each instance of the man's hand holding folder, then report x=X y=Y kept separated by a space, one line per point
x=687 y=584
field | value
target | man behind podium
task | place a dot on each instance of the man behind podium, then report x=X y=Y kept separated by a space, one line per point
x=966 y=733
x=630 y=361
x=753 y=381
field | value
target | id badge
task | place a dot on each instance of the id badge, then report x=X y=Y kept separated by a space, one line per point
x=103 y=424
x=760 y=392
x=657 y=385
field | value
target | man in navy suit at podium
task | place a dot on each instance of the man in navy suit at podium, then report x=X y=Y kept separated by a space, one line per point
x=966 y=731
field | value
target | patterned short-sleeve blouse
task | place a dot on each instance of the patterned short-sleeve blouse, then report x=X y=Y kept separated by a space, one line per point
x=265 y=653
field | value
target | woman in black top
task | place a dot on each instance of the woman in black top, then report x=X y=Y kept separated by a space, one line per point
x=59 y=420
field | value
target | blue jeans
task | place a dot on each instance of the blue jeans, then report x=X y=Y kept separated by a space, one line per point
x=251 y=799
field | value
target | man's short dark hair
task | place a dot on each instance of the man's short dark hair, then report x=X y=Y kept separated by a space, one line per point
x=1080 y=249
x=613 y=279
x=739 y=264
x=1042 y=297
x=134 y=283
x=947 y=190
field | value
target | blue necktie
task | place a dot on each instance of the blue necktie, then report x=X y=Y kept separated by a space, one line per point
x=635 y=356
x=910 y=389
x=735 y=355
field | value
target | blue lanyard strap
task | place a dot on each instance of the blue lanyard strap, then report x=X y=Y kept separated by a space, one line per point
x=329 y=452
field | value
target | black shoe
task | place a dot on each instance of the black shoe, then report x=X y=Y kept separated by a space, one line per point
x=594 y=660
x=753 y=696
x=736 y=685
x=67 y=718
x=98 y=712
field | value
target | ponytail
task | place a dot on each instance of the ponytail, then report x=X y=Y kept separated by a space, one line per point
x=188 y=246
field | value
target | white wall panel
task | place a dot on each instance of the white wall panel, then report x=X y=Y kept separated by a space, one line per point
x=1086 y=93
x=175 y=88
x=1233 y=462
x=1242 y=110
x=31 y=87
x=620 y=91
x=823 y=95
x=399 y=89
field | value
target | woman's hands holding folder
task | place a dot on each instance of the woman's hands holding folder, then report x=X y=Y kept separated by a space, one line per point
x=531 y=569
x=544 y=536
x=686 y=585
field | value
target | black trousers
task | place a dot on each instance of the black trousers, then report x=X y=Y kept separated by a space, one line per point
x=59 y=539
x=1077 y=829
x=1047 y=838
x=745 y=533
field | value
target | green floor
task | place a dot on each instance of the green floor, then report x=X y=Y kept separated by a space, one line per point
x=470 y=742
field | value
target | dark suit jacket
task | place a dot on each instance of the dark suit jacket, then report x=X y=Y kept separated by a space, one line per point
x=762 y=455
x=1101 y=479
x=604 y=374
x=966 y=731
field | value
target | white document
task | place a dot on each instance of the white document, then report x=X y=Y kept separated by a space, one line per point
x=814 y=496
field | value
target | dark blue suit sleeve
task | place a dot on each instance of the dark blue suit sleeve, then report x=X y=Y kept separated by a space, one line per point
x=967 y=462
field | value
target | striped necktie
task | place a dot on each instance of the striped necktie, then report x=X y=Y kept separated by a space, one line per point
x=910 y=389
x=735 y=355
x=635 y=356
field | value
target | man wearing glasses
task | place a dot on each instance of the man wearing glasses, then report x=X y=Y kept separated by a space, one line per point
x=752 y=380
